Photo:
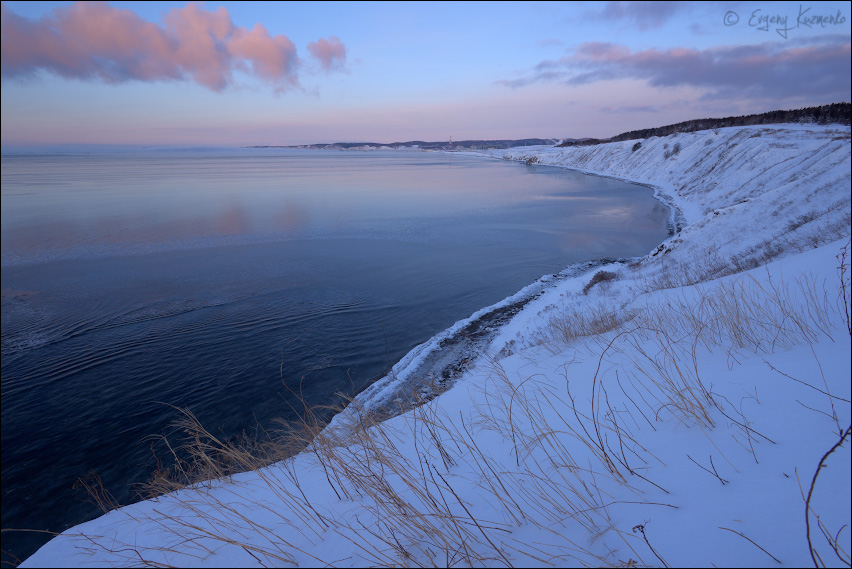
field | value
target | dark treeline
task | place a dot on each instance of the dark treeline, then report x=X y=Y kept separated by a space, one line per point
x=835 y=113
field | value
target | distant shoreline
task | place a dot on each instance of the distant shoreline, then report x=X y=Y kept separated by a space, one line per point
x=449 y=145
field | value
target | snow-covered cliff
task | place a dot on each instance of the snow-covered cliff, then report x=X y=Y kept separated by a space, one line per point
x=674 y=410
x=763 y=179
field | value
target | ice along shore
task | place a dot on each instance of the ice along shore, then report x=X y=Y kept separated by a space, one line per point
x=685 y=408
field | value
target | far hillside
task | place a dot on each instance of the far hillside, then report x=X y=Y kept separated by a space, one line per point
x=839 y=113
x=423 y=145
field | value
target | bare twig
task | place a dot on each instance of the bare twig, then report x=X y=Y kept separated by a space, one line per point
x=811 y=491
x=641 y=529
x=752 y=542
x=713 y=472
x=773 y=368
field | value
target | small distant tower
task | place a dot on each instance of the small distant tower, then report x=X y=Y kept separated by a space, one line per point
x=451 y=142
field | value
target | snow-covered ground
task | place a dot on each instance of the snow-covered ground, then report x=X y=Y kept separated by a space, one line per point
x=668 y=411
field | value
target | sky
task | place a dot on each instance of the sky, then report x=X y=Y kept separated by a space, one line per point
x=246 y=73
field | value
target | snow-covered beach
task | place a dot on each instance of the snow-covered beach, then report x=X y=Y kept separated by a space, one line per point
x=669 y=410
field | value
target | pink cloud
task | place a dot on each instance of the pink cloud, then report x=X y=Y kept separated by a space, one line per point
x=331 y=53
x=808 y=67
x=272 y=58
x=85 y=41
x=199 y=44
x=95 y=41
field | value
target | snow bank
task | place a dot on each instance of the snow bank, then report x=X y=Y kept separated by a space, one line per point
x=764 y=179
x=672 y=411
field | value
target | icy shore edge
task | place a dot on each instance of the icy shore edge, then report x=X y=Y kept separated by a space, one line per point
x=750 y=197
x=432 y=366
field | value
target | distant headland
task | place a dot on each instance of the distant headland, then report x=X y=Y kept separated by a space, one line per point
x=421 y=145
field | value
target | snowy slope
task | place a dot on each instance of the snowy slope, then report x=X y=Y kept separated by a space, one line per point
x=763 y=179
x=671 y=412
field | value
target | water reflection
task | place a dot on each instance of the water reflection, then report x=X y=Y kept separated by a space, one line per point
x=233 y=220
x=186 y=279
x=291 y=218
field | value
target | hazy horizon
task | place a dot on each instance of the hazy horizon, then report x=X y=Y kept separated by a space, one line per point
x=239 y=74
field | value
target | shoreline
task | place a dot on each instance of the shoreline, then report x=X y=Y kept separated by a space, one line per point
x=742 y=208
x=677 y=219
x=433 y=367
x=487 y=280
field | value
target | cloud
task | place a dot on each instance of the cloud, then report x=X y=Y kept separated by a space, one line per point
x=642 y=15
x=95 y=41
x=331 y=53
x=549 y=42
x=273 y=58
x=813 y=67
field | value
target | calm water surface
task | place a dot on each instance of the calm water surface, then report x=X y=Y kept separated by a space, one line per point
x=130 y=280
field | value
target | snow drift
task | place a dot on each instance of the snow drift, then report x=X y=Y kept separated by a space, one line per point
x=682 y=409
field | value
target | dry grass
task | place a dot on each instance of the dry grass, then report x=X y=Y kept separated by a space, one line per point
x=572 y=323
x=411 y=509
x=599 y=277
x=399 y=492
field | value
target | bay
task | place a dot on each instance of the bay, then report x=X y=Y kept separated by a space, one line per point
x=219 y=280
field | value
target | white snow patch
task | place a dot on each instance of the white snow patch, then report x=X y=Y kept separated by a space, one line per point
x=672 y=415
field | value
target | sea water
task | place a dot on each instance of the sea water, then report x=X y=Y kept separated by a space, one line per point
x=137 y=281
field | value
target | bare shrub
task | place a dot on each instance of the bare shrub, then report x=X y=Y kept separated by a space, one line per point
x=570 y=324
x=673 y=152
x=802 y=220
x=599 y=277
